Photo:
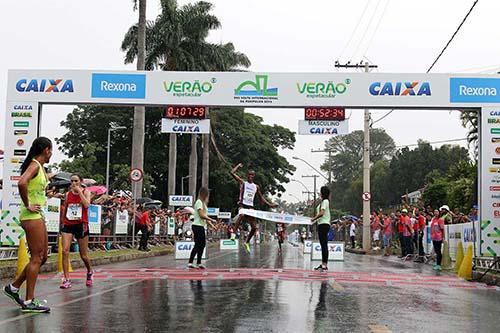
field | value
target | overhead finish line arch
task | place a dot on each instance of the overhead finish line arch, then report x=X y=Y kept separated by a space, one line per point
x=28 y=90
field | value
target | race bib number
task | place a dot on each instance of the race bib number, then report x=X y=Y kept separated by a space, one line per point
x=74 y=212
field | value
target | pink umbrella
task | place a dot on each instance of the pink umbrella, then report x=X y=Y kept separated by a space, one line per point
x=98 y=189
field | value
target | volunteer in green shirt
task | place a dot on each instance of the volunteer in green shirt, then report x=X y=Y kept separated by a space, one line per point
x=200 y=221
x=323 y=219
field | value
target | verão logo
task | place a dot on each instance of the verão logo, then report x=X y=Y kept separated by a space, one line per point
x=414 y=88
x=106 y=85
x=45 y=85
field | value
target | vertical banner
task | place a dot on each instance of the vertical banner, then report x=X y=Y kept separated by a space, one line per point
x=171 y=226
x=95 y=219
x=156 y=229
x=21 y=128
x=489 y=182
x=121 y=222
x=52 y=214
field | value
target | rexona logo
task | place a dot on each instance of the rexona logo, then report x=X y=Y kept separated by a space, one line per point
x=256 y=92
x=414 y=88
x=194 y=88
x=475 y=90
x=105 y=85
x=322 y=89
x=45 y=85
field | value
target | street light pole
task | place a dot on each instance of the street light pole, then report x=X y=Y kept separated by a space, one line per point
x=314 y=193
x=108 y=153
x=319 y=173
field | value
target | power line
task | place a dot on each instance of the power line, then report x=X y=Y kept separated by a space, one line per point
x=440 y=54
x=366 y=30
x=434 y=142
x=376 y=27
x=355 y=29
x=453 y=36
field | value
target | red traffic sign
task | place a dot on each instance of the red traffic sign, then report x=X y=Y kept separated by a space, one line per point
x=367 y=196
x=136 y=175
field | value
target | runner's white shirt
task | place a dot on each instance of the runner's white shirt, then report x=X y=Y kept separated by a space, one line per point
x=247 y=193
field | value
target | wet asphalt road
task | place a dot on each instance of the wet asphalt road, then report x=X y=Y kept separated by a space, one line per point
x=361 y=294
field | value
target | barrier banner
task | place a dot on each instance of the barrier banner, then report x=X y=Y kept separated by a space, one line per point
x=171 y=226
x=52 y=214
x=121 y=222
x=274 y=217
x=335 y=251
x=95 y=219
x=229 y=244
x=308 y=246
x=183 y=250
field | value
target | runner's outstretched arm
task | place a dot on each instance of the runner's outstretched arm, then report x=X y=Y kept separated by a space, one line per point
x=235 y=175
x=264 y=200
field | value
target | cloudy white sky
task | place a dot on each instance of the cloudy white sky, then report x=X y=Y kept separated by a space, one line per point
x=278 y=36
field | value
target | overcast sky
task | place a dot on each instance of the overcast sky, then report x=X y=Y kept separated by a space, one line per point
x=277 y=36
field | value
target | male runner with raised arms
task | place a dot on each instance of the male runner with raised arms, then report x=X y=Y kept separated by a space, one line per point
x=248 y=190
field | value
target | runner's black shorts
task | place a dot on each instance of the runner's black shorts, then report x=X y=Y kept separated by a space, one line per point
x=78 y=230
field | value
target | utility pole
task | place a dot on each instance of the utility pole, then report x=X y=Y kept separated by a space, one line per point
x=366 y=160
x=308 y=195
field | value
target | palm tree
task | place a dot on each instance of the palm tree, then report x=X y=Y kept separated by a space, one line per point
x=176 y=41
x=470 y=120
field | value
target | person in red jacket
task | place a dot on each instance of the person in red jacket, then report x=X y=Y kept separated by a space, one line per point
x=76 y=224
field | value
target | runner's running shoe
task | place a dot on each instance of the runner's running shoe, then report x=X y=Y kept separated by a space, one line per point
x=65 y=284
x=35 y=306
x=192 y=266
x=201 y=266
x=90 y=279
x=14 y=295
x=247 y=247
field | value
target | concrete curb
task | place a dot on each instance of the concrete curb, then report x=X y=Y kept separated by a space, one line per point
x=8 y=272
x=356 y=251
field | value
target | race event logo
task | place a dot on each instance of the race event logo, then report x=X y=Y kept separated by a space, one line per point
x=414 y=88
x=322 y=89
x=256 y=91
x=107 y=85
x=475 y=90
x=194 y=88
x=45 y=85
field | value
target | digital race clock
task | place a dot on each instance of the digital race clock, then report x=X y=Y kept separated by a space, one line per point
x=324 y=113
x=186 y=111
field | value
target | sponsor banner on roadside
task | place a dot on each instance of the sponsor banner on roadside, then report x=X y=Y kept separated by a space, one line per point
x=211 y=211
x=52 y=214
x=308 y=246
x=185 y=126
x=180 y=200
x=183 y=250
x=94 y=214
x=121 y=222
x=335 y=251
x=229 y=244
x=224 y=215
x=323 y=127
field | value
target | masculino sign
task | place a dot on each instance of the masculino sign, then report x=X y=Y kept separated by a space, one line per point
x=111 y=85
x=323 y=127
x=180 y=200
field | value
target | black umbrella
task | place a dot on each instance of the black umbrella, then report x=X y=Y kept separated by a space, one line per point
x=60 y=183
x=154 y=204
x=142 y=201
x=62 y=175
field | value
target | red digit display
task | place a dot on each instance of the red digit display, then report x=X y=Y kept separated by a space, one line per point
x=324 y=113
x=186 y=111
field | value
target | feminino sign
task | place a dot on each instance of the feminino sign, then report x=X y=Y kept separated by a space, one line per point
x=187 y=126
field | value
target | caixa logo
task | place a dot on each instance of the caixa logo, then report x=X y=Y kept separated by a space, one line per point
x=414 y=88
x=184 y=246
x=331 y=248
x=45 y=85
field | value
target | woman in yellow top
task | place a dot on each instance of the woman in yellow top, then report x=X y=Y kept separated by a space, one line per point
x=200 y=221
x=323 y=218
x=32 y=188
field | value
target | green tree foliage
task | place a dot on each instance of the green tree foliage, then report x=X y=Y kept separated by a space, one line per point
x=239 y=137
